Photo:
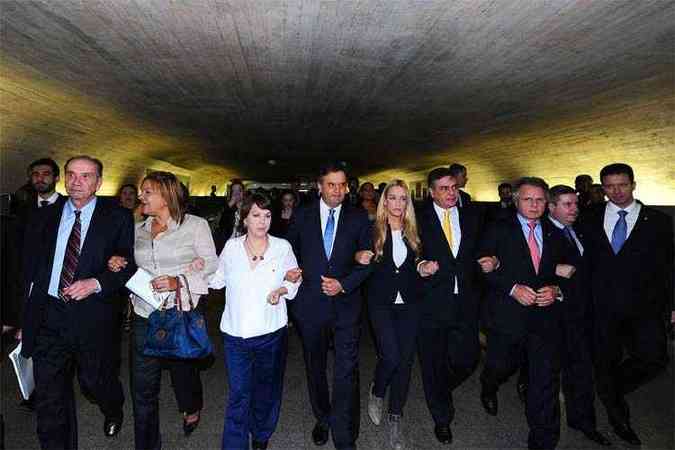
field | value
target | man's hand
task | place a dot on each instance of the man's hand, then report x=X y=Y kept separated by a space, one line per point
x=164 y=283
x=364 y=257
x=565 y=270
x=293 y=275
x=116 y=263
x=274 y=296
x=488 y=263
x=330 y=286
x=81 y=289
x=525 y=295
x=547 y=295
x=428 y=268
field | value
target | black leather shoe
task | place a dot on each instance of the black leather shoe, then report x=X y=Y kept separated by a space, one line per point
x=443 y=434
x=521 y=388
x=489 y=402
x=112 y=426
x=259 y=445
x=27 y=405
x=320 y=433
x=597 y=437
x=625 y=432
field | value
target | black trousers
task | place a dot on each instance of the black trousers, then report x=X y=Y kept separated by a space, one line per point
x=395 y=328
x=448 y=355
x=343 y=414
x=146 y=376
x=645 y=343
x=504 y=355
x=59 y=354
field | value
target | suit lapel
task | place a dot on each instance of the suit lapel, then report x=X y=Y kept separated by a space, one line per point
x=637 y=230
x=93 y=235
x=315 y=218
x=341 y=229
x=438 y=231
x=522 y=242
x=52 y=231
x=546 y=243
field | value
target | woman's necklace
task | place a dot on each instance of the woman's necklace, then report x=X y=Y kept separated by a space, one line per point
x=255 y=257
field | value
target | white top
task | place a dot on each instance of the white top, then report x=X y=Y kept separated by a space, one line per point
x=247 y=313
x=171 y=253
x=456 y=231
x=612 y=217
x=324 y=210
x=400 y=253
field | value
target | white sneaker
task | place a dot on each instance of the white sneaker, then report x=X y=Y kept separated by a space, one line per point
x=374 y=406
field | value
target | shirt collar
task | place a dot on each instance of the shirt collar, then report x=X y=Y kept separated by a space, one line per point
x=87 y=209
x=556 y=222
x=440 y=211
x=51 y=199
x=611 y=207
x=525 y=221
x=326 y=209
x=170 y=225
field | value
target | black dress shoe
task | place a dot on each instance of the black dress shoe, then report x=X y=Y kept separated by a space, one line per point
x=625 y=432
x=489 y=402
x=595 y=436
x=521 y=388
x=320 y=433
x=112 y=426
x=443 y=434
x=259 y=445
x=27 y=405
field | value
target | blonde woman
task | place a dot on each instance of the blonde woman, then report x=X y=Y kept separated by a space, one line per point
x=393 y=293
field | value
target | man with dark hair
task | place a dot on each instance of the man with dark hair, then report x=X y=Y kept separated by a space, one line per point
x=582 y=184
x=69 y=317
x=577 y=367
x=505 y=192
x=459 y=173
x=325 y=236
x=448 y=338
x=630 y=250
x=525 y=313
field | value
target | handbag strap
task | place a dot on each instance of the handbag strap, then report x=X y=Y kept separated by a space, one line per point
x=178 y=292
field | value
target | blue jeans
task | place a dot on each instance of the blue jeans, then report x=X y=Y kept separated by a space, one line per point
x=255 y=371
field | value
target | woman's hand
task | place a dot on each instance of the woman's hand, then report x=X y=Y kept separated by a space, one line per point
x=293 y=275
x=164 y=283
x=364 y=257
x=274 y=296
x=196 y=265
x=427 y=268
x=117 y=263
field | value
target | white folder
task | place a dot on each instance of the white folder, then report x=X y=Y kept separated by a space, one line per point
x=140 y=285
x=24 y=371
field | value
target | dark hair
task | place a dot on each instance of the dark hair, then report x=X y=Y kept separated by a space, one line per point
x=289 y=191
x=96 y=162
x=617 y=169
x=45 y=162
x=530 y=181
x=256 y=198
x=583 y=176
x=172 y=191
x=456 y=169
x=559 y=189
x=332 y=167
x=504 y=185
x=128 y=185
x=437 y=174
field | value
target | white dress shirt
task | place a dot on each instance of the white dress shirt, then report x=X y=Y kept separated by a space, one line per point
x=247 y=313
x=560 y=226
x=456 y=231
x=612 y=217
x=324 y=210
x=399 y=253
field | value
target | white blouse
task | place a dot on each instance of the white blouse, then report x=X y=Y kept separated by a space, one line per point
x=399 y=253
x=247 y=313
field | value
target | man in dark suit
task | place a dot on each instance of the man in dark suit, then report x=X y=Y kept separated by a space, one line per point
x=69 y=317
x=458 y=172
x=577 y=366
x=525 y=313
x=325 y=236
x=630 y=250
x=448 y=339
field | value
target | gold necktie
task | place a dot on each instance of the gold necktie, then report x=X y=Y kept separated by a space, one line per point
x=447 y=228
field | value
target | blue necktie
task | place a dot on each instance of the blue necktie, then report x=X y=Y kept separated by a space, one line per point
x=620 y=231
x=328 y=233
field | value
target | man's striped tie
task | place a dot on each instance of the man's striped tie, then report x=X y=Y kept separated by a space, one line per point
x=72 y=256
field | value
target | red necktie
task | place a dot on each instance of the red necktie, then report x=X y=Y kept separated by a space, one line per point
x=534 y=247
x=72 y=256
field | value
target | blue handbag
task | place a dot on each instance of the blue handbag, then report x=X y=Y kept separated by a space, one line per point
x=174 y=333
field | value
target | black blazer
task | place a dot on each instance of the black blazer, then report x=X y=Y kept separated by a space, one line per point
x=639 y=279
x=466 y=198
x=505 y=240
x=440 y=303
x=386 y=280
x=111 y=232
x=353 y=234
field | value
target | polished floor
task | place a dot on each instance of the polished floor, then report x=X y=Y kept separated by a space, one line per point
x=652 y=412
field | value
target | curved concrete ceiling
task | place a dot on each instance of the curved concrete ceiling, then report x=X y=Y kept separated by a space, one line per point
x=213 y=89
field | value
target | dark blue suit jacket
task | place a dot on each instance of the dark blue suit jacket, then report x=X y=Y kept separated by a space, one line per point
x=111 y=232
x=310 y=304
